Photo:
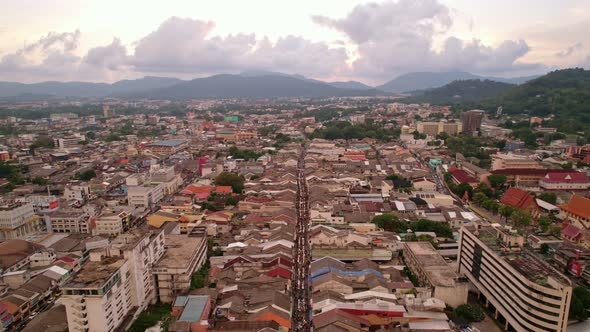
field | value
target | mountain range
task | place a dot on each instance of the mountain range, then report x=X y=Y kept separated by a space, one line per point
x=429 y=80
x=246 y=84
x=460 y=91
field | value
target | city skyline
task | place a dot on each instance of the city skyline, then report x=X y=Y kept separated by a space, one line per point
x=334 y=40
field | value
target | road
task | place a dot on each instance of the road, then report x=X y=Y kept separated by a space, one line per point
x=301 y=317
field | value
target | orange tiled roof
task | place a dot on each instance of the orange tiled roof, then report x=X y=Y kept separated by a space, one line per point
x=578 y=205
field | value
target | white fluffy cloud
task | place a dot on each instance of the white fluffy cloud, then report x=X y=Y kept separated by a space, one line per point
x=398 y=37
x=389 y=38
x=186 y=45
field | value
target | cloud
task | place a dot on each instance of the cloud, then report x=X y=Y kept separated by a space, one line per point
x=112 y=56
x=397 y=37
x=47 y=57
x=55 y=57
x=570 y=50
x=184 y=45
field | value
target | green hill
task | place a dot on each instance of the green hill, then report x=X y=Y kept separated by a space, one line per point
x=565 y=94
x=461 y=91
x=562 y=93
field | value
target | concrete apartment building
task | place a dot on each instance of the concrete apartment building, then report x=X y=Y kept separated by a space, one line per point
x=69 y=141
x=77 y=192
x=184 y=255
x=434 y=272
x=17 y=219
x=435 y=128
x=471 y=120
x=526 y=292
x=513 y=161
x=99 y=297
x=67 y=221
x=167 y=177
x=146 y=195
x=142 y=249
x=114 y=284
x=112 y=223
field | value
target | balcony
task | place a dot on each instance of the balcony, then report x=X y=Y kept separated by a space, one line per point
x=79 y=307
x=83 y=323
x=81 y=315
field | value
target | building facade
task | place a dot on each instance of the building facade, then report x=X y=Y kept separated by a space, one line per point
x=184 y=255
x=525 y=291
x=17 y=220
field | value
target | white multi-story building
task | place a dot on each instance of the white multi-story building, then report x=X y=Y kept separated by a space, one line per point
x=142 y=249
x=17 y=220
x=99 y=296
x=69 y=141
x=146 y=196
x=528 y=293
x=114 y=284
x=112 y=223
x=77 y=192
x=68 y=221
x=184 y=255
x=167 y=177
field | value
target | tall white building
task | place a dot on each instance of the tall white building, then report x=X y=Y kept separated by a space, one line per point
x=115 y=284
x=526 y=293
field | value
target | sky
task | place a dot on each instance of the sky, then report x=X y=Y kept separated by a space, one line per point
x=368 y=41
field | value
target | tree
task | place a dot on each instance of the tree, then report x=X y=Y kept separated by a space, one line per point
x=461 y=188
x=544 y=223
x=506 y=211
x=231 y=179
x=390 y=223
x=231 y=200
x=545 y=248
x=555 y=231
x=548 y=197
x=479 y=198
x=42 y=142
x=497 y=181
x=86 y=175
x=569 y=165
x=40 y=181
x=469 y=312
x=425 y=225
x=580 y=305
x=521 y=218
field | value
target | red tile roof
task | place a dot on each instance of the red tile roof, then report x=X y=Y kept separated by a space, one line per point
x=578 y=206
x=569 y=177
x=528 y=171
x=571 y=231
x=462 y=177
x=518 y=198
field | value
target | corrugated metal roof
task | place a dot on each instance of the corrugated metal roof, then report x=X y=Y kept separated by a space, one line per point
x=194 y=308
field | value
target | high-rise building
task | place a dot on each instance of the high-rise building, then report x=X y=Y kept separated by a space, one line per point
x=106 y=111
x=433 y=271
x=115 y=284
x=525 y=292
x=471 y=120
x=184 y=255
